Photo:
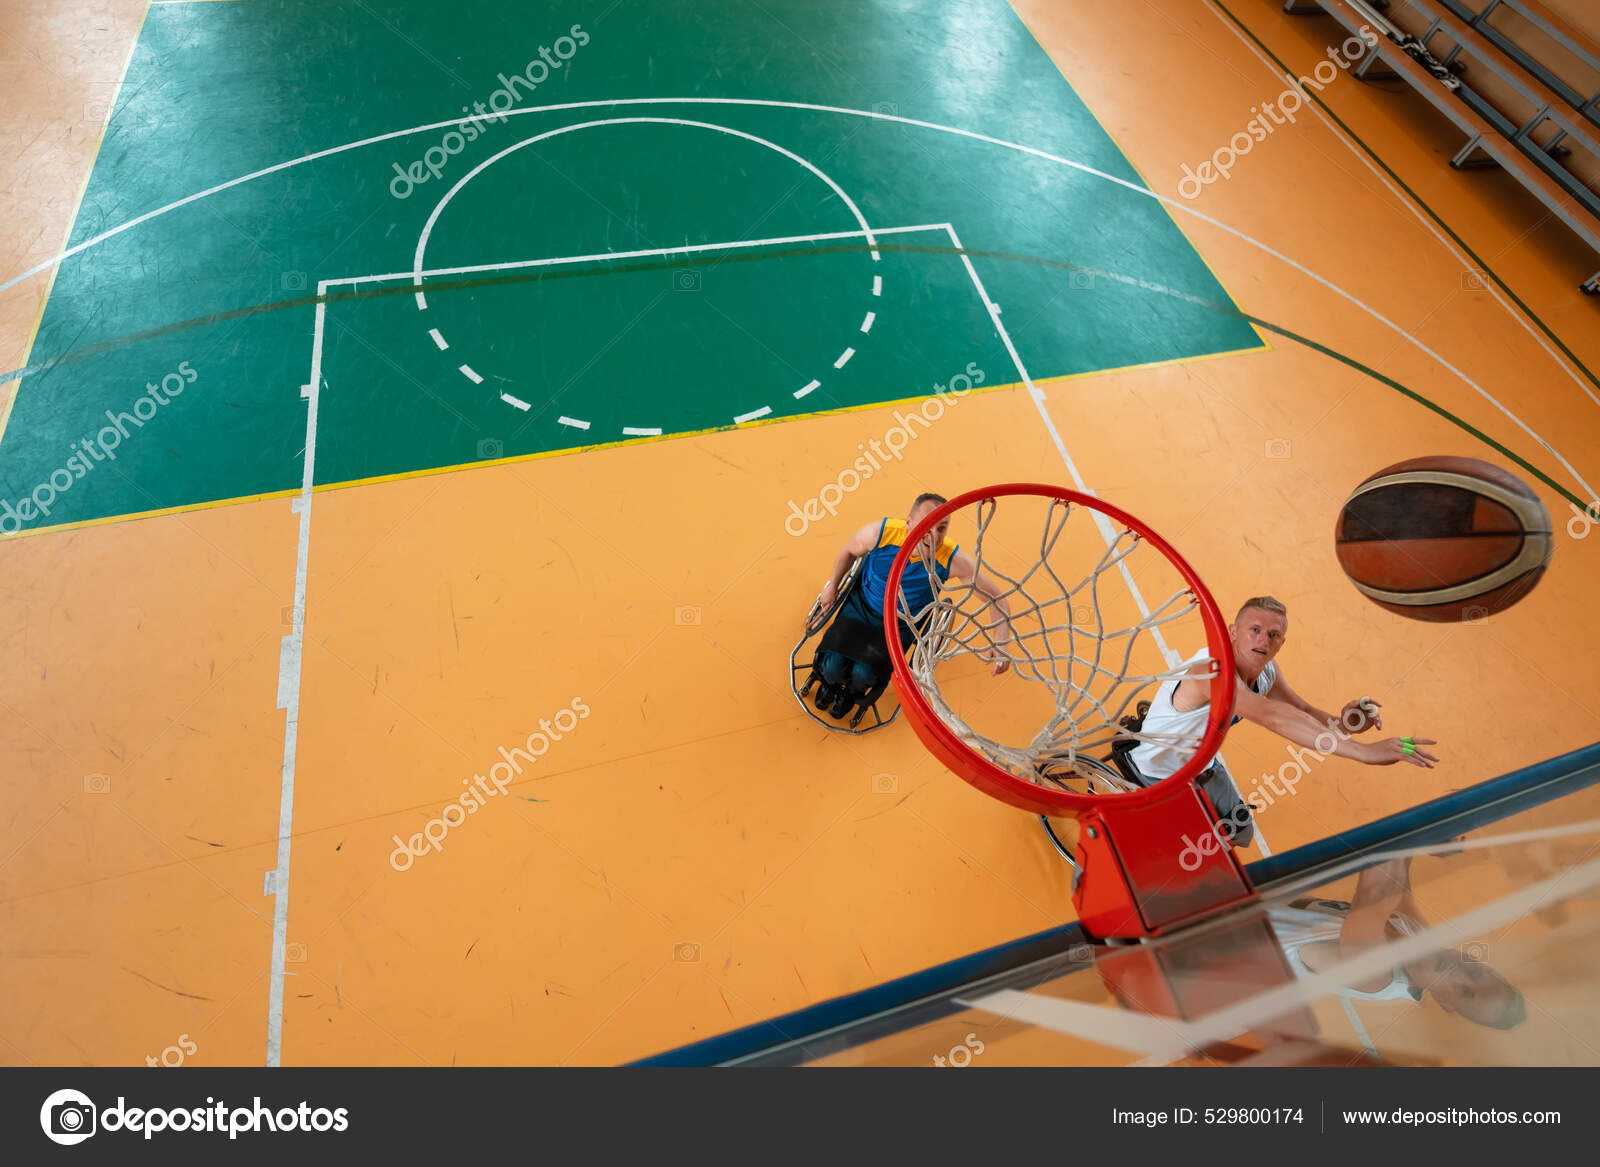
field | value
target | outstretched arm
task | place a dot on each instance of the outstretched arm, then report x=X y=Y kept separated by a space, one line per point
x=1381 y=891
x=860 y=543
x=964 y=567
x=1303 y=729
x=1357 y=716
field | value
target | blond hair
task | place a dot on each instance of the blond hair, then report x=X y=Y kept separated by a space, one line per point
x=1265 y=604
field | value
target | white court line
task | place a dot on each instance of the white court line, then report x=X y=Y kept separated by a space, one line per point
x=466 y=371
x=844 y=358
x=517 y=401
x=1354 y=1018
x=1410 y=205
x=1037 y=397
x=1101 y=521
x=275 y=1009
x=645 y=253
x=752 y=415
x=417 y=263
x=290 y=657
x=634 y=431
x=573 y=422
x=813 y=107
x=550 y=261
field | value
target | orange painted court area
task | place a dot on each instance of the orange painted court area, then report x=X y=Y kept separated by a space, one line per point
x=692 y=853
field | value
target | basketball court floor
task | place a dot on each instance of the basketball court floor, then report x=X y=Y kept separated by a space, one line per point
x=400 y=397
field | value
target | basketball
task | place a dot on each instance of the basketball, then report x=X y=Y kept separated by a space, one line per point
x=1444 y=539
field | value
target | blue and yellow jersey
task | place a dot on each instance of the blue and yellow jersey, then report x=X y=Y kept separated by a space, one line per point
x=877 y=562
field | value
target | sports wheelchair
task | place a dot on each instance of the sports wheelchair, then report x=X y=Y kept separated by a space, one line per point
x=858 y=642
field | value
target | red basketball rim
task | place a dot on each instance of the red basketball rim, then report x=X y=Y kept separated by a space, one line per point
x=995 y=780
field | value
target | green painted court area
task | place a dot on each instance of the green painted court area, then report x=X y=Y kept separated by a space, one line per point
x=590 y=275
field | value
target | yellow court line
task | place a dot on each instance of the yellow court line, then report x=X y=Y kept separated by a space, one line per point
x=72 y=221
x=135 y=516
x=1232 y=352
x=567 y=451
x=1166 y=210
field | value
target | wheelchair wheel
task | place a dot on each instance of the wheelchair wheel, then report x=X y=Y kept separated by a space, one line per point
x=867 y=716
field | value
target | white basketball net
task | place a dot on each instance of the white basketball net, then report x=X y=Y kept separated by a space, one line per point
x=1059 y=640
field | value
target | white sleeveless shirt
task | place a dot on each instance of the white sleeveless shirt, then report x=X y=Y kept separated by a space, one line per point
x=1157 y=760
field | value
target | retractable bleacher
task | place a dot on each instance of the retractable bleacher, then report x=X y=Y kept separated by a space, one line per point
x=1512 y=116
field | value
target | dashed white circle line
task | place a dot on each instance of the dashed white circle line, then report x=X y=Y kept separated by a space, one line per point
x=516 y=401
x=419 y=259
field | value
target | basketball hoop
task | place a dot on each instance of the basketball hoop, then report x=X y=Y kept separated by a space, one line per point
x=1061 y=604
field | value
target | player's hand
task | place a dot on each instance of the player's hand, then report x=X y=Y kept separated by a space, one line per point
x=996 y=654
x=1360 y=715
x=825 y=600
x=1402 y=749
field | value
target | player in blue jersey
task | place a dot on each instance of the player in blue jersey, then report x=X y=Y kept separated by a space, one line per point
x=938 y=558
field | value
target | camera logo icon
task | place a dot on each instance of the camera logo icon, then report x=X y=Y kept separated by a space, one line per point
x=1080 y=281
x=294 y=952
x=686 y=280
x=96 y=784
x=1084 y=952
x=1476 y=952
x=1474 y=614
x=1473 y=281
x=293 y=281
x=885 y=783
x=886 y=107
x=491 y=448
x=686 y=616
x=1278 y=449
x=686 y=952
x=68 y=1117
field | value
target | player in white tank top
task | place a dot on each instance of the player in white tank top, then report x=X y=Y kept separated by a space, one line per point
x=1262 y=695
x=1157 y=761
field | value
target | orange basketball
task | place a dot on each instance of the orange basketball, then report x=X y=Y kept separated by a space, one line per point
x=1444 y=539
